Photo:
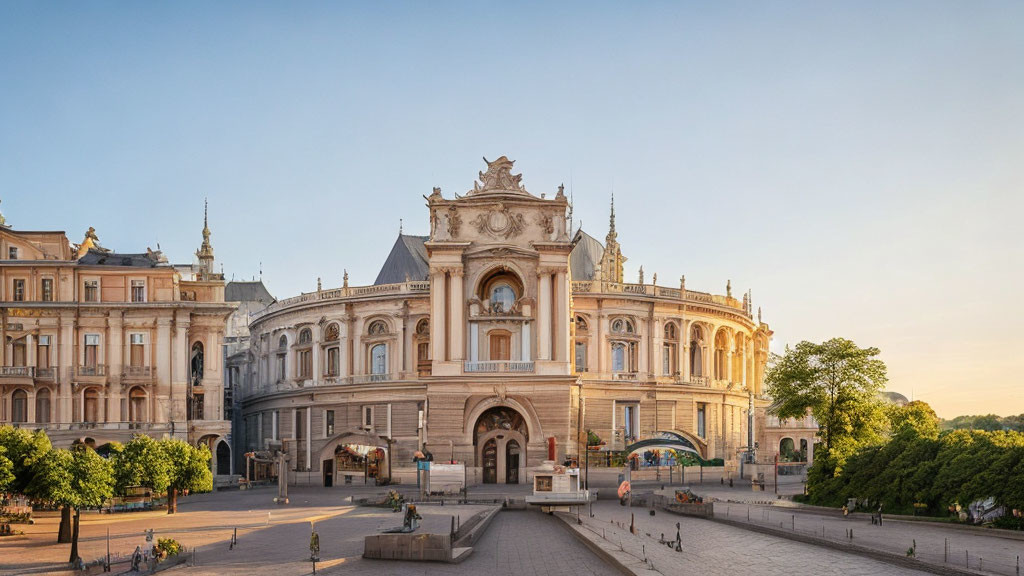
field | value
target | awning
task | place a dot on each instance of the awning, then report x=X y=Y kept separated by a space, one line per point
x=667 y=441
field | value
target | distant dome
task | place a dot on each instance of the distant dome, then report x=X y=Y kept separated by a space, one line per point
x=895 y=398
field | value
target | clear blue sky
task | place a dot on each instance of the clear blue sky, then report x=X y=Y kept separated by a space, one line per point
x=858 y=165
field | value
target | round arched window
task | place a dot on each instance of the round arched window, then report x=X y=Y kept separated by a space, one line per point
x=377 y=327
x=622 y=326
x=502 y=298
x=306 y=336
x=283 y=342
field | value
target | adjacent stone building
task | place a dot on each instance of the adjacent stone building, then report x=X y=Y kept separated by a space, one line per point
x=100 y=345
x=500 y=334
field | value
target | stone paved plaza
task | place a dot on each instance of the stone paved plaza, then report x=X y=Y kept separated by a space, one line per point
x=517 y=542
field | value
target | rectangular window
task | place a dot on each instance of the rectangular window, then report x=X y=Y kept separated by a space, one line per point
x=12 y=253
x=629 y=421
x=305 y=364
x=581 y=356
x=276 y=426
x=92 y=290
x=500 y=346
x=367 y=416
x=333 y=361
x=19 y=290
x=137 y=351
x=47 y=290
x=138 y=290
x=329 y=423
x=300 y=426
x=701 y=420
x=43 y=355
x=92 y=350
x=280 y=368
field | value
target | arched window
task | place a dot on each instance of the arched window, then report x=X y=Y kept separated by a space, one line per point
x=283 y=342
x=92 y=405
x=721 y=350
x=137 y=405
x=696 y=351
x=42 y=406
x=423 y=327
x=670 y=331
x=305 y=336
x=618 y=357
x=670 y=351
x=499 y=345
x=197 y=364
x=332 y=333
x=19 y=406
x=502 y=298
x=377 y=328
x=379 y=359
x=623 y=326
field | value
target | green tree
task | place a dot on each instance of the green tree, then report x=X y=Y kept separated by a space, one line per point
x=140 y=462
x=189 y=469
x=6 y=470
x=988 y=422
x=915 y=418
x=839 y=383
x=77 y=478
x=23 y=448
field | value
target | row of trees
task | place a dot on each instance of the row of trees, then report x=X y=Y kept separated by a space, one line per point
x=989 y=422
x=920 y=466
x=889 y=454
x=80 y=478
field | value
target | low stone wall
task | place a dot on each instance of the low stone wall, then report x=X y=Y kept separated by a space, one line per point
x=412 y=546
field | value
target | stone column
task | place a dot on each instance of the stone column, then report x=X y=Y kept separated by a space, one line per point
x=743 y=365
x=180 y=369
x=438 y=330
x=162 y=390
x=562 y=320
x=317 y=374
x=66 y=365
x=115 y=363
x=543 y=315
x=213 y=377
x=457 y=306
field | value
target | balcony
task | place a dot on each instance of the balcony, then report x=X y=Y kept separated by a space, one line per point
x=699 y=381
x=47 y=374
x=17 y=371
x=497 y=367
x=138 y=373
x=629 y=376
x=94 y=371
x=364 y=378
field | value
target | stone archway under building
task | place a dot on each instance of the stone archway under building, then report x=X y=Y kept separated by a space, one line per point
x=349 y=446
x=500 y=439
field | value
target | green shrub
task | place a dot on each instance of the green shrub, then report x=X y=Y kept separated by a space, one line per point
x=167 y=547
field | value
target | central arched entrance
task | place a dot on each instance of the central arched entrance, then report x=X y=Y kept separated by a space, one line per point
x=500 y=438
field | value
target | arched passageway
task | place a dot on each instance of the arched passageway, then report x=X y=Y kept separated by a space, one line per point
x=500 y=437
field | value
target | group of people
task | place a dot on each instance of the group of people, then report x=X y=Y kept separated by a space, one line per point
x=876 y=518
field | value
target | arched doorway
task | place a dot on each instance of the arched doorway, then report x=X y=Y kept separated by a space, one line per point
x=786 y=449
x=512 y=462
x=500 y=436
x=223 y=458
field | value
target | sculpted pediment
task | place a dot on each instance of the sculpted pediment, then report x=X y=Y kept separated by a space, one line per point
x=500 y=252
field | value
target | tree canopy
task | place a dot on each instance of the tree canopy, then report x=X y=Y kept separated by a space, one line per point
x=839 y=383
x=23 y=448
x=76 y=478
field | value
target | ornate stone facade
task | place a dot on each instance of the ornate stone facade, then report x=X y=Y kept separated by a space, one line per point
x=507 y=331
x=98 y=346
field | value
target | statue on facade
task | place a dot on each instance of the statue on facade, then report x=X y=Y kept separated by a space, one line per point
x=728 y=288
x=641 y=275
x=344 y=279
x=682 y=283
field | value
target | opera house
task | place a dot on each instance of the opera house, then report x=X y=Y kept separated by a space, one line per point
x=501 y=335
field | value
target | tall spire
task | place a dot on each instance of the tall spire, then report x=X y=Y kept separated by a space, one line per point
x=205 y=252
x=612 y=235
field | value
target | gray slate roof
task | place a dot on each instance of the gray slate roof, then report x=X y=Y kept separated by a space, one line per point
x=247 y=291
x=97 y=258
x=408 y=259
x=585 y=256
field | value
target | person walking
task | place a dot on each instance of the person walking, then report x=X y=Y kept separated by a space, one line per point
x=879 y=514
